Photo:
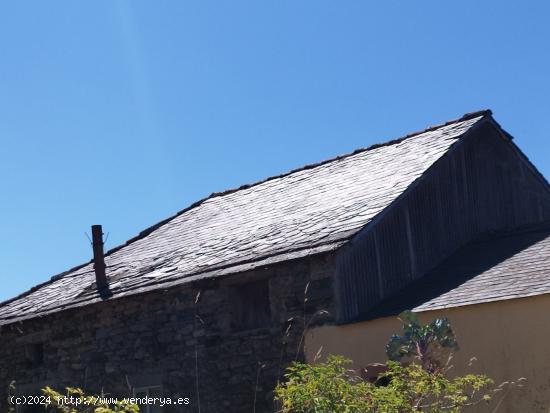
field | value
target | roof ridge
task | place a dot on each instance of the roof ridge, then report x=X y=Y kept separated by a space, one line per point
x=466 y=116
x=144 y=233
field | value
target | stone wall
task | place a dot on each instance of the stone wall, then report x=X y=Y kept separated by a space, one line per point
x=163 y=338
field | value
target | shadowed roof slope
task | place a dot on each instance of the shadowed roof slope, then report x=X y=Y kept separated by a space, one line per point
x=499 y=266
x=309 y=210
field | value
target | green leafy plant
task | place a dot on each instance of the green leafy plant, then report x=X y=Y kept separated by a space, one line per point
x=425 y=342
x=331 y=387
x=413 y=389
x=324 y=387
x=75 y=400
x=419 y=384
x=11 y=391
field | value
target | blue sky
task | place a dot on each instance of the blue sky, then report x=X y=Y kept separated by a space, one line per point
x=124 y=112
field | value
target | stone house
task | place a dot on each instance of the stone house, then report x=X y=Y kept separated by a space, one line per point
x=212 y=303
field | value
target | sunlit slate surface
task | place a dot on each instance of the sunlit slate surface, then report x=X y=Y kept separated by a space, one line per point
x=304 y=212
x=502 y=267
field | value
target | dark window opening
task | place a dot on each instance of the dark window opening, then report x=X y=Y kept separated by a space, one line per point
x=35 y=354
x=252 y=308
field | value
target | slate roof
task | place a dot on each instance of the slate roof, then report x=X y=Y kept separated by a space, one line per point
x=498 y=266
x=306 y=211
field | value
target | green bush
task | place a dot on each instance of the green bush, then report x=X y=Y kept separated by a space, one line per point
x=417 y=384
x=331 y=388
x=325 y=387
x=86 y=403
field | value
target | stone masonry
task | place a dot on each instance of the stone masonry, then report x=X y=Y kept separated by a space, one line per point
x=164 y=337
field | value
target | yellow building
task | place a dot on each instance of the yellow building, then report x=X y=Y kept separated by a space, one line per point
x=495 y=293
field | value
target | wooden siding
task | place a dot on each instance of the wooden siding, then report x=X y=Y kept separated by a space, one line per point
x=484 y=183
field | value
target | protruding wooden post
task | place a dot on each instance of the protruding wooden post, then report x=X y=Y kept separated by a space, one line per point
x=99 y=260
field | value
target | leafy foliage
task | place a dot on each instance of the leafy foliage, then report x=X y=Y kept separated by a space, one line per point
x=86 y=403
x=11 y=391
x=320 y=388
x=420 y=385
x=413 y=389
x=331 y=388
x=426 y=343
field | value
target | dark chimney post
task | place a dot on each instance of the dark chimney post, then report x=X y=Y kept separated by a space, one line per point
x=99 y=261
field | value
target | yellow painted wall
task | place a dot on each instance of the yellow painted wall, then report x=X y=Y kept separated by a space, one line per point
x=510 y=339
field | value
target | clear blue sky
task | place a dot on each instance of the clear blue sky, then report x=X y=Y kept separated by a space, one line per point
x=123 y=112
